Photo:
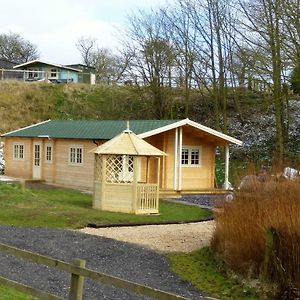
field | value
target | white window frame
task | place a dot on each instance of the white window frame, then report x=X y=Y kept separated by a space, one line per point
x=46 y=153
x=76 y=147
x=33 y=73
x=190 y=149
x=18 y=151
x=53 y=73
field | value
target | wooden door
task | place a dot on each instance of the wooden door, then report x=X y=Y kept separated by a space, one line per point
x=37 y=160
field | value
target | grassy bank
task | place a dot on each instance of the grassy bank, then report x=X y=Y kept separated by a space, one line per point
x=209 y=274
x=72 y=209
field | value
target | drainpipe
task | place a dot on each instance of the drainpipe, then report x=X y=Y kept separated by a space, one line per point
x=226 y=182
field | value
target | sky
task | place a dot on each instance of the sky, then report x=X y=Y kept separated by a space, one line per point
x=55 y=25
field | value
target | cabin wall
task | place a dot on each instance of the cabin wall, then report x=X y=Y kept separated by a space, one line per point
x=76 y=176
x=59 y=170
x=18 y=168
x=202 y=176
x=192 y=177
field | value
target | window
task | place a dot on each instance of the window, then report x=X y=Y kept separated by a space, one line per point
x=76 y=155
x=49 y=153
x=53 y=73
x=190 y=156
x=33 y=74
x=18 y=150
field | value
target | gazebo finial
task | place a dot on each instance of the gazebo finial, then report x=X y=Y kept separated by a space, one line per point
x=127 y=130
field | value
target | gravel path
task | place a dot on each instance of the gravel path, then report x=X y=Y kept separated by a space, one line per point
x=110 y=256
x=204 y=200
x=163 y=238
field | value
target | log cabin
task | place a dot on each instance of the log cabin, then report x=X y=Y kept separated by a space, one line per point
x=60 y=152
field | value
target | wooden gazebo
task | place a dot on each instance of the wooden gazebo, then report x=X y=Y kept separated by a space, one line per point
x=127 y=175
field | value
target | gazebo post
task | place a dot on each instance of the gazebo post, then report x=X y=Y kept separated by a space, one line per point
x=103 y=180
x=97 y=184
x=135 y=182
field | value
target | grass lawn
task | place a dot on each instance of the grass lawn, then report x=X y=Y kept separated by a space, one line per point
x=202 y=269
x=11 y=294
x=72 y=209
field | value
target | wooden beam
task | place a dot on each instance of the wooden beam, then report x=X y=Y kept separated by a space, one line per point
x=175 y=159
x=179 y=160
x=76 y=289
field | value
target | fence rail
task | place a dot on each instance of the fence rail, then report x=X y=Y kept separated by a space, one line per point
x=78 y=273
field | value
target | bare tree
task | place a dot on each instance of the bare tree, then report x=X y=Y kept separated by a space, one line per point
x=14 y=48
x=86 y=47
x=151 y=55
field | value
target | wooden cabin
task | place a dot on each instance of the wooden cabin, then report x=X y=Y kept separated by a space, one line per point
x=59 y=152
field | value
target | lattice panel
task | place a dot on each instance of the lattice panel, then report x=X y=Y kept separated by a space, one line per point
x=98 y=167
x=119 y=169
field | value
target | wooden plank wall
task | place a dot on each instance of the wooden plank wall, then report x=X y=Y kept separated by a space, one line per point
x=18 y=168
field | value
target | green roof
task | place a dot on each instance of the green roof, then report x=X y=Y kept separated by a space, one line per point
x=82 y=129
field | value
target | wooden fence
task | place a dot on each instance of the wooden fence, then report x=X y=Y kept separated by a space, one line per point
x=78 y=273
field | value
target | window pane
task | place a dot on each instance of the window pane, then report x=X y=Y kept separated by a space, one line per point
x=21 y=151
x=195 y=157
x=79 y=156
x=185 y=157
x=72 y=155
x=49 y=153
x=16 y=151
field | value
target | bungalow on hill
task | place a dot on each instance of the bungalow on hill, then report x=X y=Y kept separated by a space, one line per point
x=61 y=152
x=37 y=70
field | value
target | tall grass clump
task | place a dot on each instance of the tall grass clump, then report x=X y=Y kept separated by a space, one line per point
x=258 y=235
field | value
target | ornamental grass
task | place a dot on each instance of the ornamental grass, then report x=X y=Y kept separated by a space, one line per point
x=258 y=234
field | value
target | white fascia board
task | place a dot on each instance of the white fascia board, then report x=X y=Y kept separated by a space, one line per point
x=162 y=129
x=46 y=63
x=195 y=125
x=26 y=63
x=33 y=125
x=215 y=133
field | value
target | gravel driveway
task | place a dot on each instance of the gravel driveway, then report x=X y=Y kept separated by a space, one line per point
x=162 y=238
x=102 y=254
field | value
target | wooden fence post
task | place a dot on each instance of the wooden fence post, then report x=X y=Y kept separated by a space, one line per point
x=76 y=289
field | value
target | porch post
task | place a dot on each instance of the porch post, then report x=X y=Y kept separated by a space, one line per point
x=179 y=158
x=175 y=160
x=226 y=182
x=158 y=179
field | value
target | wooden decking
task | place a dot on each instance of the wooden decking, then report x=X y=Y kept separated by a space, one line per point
x=163 y=193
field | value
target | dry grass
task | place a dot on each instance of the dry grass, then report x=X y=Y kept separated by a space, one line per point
x=240 y=235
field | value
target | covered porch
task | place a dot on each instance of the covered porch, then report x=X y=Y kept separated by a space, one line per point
x=189 y=167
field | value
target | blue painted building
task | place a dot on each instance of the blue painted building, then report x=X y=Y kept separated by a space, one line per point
x=37 y=70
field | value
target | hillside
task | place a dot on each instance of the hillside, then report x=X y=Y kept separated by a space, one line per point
x=22 y=104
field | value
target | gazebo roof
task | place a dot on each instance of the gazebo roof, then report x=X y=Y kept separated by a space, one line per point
x=128 y=143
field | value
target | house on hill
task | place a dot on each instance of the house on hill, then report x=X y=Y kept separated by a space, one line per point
x=37 y=70
x=61 y=152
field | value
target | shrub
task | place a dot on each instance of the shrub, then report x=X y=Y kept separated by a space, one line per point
x=241 y=228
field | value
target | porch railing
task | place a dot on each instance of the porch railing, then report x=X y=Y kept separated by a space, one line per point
x=147 y=197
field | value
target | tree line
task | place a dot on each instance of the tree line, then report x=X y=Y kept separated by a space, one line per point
x=213 y=47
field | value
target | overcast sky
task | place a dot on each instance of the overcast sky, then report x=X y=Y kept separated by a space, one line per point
x=55 y=25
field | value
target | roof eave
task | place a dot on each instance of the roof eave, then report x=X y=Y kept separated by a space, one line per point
x=33 y=125
x=180 y=123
